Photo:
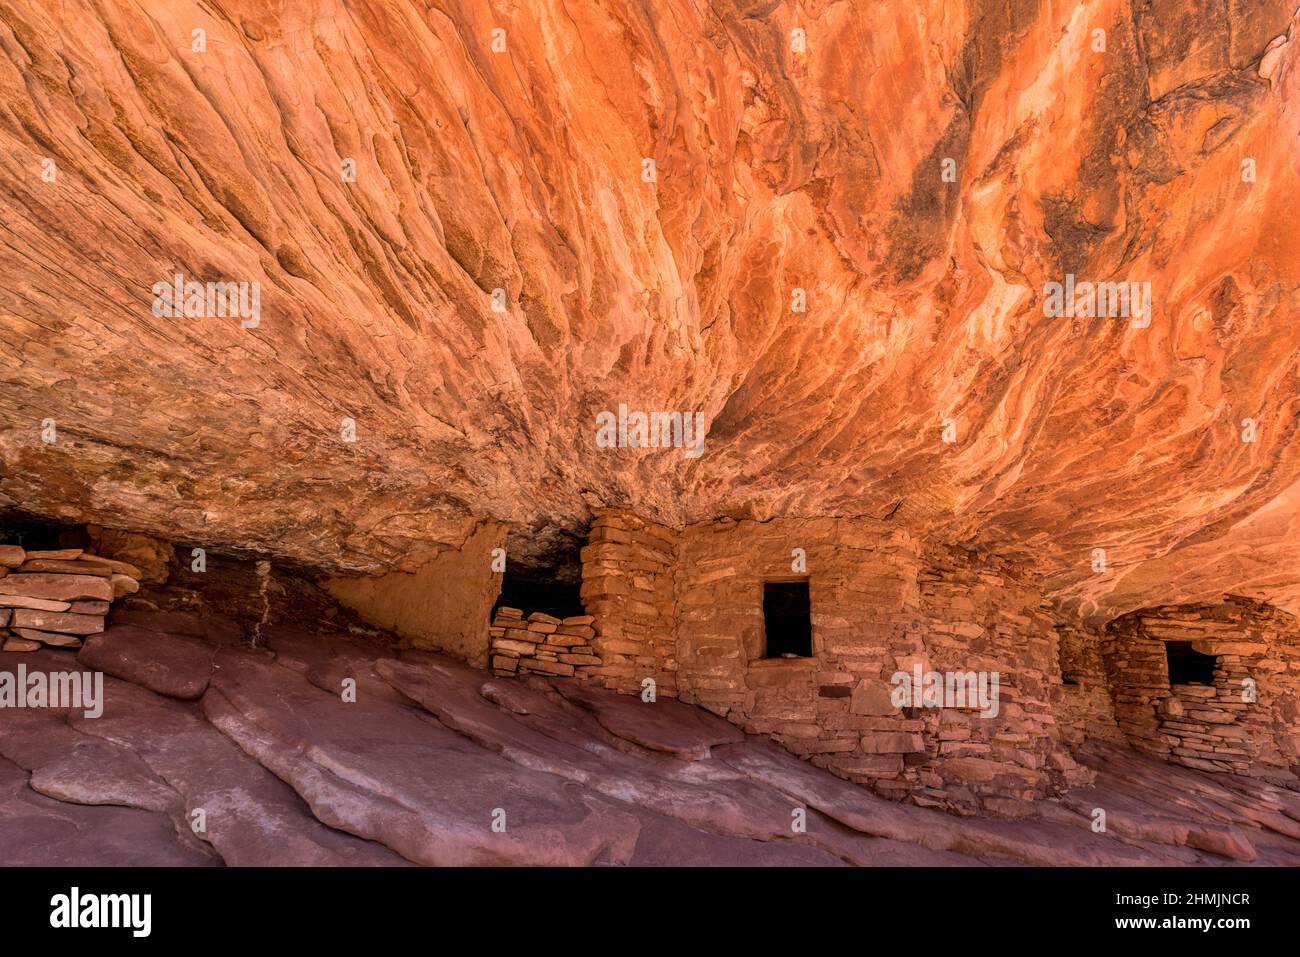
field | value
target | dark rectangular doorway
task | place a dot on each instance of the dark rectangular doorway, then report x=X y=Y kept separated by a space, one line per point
x=787 y=620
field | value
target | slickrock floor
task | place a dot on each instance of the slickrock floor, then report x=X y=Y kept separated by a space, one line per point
x=417 y=769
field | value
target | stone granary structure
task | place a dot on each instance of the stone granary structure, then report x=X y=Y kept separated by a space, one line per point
x=689 y=613
x=895 y=403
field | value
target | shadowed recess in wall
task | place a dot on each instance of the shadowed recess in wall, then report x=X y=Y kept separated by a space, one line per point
x=551 y=583
x=787 y=623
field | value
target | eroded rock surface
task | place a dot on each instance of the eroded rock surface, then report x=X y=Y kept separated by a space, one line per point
x=779 y=166
x=171 y=665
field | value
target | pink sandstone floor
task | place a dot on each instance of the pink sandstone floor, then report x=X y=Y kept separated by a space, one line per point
x=432 y=753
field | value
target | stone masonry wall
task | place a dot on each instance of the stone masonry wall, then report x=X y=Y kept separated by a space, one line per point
x=1246 y=721
x=628 y=568
x=685 y=608
x=986 y=615
x=1084 y=710
x=541 y=644
x=878 y=606
x=57 y=598
x=833 y=707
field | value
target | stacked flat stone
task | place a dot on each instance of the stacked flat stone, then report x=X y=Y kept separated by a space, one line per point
x=1084 y=709
x=684 y=607
x=628 y=576
x=541 y=643
x=59 y=597
x=1242 y=721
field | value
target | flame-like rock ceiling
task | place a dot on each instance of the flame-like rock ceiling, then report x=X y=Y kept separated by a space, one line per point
x=775 y=169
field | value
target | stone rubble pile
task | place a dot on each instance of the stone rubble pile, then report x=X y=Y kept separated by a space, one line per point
x=57 y=597
x=541 y=643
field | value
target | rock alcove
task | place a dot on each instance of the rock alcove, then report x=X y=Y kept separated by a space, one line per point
x=364 y=523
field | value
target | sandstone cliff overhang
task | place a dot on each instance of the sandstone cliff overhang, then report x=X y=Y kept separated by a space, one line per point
x=462 y=262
